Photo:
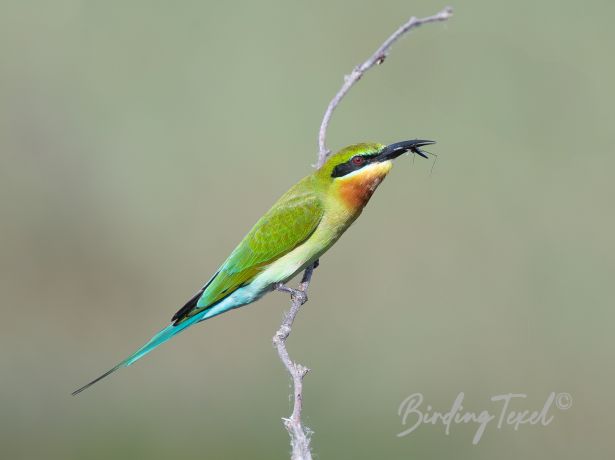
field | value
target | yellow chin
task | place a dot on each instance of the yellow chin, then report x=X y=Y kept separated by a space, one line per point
x=356 y=188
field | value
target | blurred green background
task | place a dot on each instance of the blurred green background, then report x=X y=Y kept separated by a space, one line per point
x=139 y=141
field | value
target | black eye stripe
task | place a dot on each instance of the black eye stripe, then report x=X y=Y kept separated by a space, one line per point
x=349 y=166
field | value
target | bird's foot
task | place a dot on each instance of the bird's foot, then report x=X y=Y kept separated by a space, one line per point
x=301 y=296
x=298 y=294
x=283 y=288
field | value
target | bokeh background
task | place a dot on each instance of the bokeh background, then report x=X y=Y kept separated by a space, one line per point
x=139 y=141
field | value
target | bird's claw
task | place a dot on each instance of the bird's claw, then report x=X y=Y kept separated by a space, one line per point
x=301 y=296
x=283 y=288
x=297 y=294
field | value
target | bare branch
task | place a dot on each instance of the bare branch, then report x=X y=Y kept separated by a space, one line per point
x=377 y=58
x=299 y=435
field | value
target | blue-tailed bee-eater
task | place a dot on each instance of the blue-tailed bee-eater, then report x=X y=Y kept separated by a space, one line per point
x=300 y=227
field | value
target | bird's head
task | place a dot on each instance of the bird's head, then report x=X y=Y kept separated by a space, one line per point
x=357 y=170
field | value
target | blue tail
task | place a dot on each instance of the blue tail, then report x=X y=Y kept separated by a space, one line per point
x=154 y=342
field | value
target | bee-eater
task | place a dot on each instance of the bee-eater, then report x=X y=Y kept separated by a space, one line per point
x=300 y=227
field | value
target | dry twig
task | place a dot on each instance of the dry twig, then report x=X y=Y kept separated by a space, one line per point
x=299 y=434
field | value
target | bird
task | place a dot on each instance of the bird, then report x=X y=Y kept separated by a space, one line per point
x=298 y=229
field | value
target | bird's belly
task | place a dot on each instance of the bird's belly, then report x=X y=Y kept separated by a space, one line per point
x=287 y=266
x=279 y=271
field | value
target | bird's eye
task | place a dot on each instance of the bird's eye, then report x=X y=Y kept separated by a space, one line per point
x=358 y=160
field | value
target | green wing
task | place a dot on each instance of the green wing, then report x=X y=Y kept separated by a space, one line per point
x=291 y=221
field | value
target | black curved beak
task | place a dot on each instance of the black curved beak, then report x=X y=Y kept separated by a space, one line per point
x=394 y=150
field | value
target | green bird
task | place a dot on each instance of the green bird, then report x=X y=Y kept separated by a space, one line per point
x=300 y=227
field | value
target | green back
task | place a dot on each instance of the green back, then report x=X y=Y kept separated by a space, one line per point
x=289 y=222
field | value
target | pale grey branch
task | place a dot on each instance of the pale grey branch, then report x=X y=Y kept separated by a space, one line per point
x=299 y=434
